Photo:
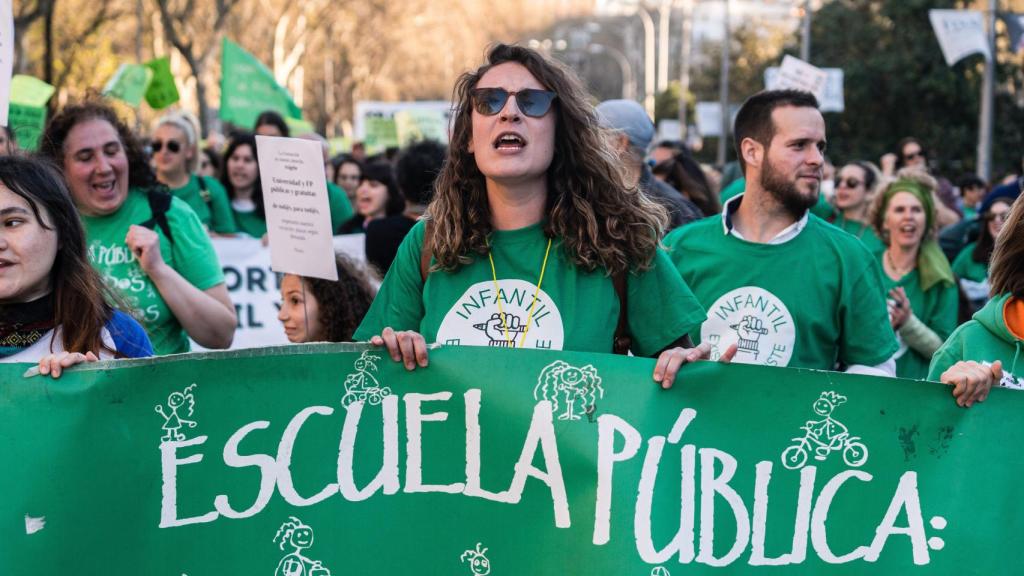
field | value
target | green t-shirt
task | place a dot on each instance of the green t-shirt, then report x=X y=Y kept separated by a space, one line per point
x=964 y=266
x=250 y=223
x=341 y=208
x=211 y=205
x=936 y=308
x=863 y=231
x=575 y=310
x=970 y=212
x=191 y=255
x=985 y=339
x=807 y=303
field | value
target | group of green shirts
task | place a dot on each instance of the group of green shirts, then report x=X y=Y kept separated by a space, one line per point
x=816 y=300
x=195 y=209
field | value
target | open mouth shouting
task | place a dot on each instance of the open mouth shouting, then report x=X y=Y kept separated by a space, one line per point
x=509 y=142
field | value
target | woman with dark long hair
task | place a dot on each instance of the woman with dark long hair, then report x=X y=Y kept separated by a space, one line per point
x=54 y=309
x=532 y=238
x=149 y=246
x=241 y=178
x=377 y=196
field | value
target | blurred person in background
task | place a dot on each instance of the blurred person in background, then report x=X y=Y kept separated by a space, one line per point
x=855 y=188
x=209 y=164
x=972 y=192
x=971 y=266
x=377 y=196
x=241 y=179
x=271 y=123
x=684 y=174
x=347 y=173
x=923 y=296
x=147 y=245
x=176 y=159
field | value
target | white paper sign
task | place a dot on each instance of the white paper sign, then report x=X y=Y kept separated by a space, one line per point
x=831 y=100
x=796 y=74
x=6 y=57
x=960 y=33
x=298 y=212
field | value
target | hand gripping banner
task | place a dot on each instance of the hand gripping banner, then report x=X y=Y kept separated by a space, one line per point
x=332 y=459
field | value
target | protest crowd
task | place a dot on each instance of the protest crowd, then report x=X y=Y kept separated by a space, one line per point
x=544 y=222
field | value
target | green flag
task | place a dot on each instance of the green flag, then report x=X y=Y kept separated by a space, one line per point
x=247 y=88
x=162 y=91
x=129 y=83
x=27 y=112
x=333 y=459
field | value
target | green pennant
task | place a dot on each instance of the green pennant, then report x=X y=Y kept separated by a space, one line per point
x=162 y=91
x=247 y=88
x=129 y=83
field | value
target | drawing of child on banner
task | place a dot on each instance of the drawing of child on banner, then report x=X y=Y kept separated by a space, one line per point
x=300 y=537
x=173 y=421
x=478 y=562
x=826 y=435
x=577 y=388
x=363 y=385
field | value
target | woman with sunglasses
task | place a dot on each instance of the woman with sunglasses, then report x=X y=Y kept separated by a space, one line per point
x=532 y=240
x=856 y=186
x=148 y=246
x=988 y=350
x=175 y=159
x=923 y=297
x=971 y=264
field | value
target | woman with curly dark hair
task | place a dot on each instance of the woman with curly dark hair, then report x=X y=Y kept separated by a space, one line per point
x=318 y=310
x=149 y=246
x=532 y=238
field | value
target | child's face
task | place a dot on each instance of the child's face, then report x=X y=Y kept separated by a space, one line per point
x=300 y=312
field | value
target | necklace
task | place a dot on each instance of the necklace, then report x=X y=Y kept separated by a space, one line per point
x=497 y=297
x=892 y=265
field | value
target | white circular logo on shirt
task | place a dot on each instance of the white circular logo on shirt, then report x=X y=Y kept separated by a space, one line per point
x=476 y=320
x=756 y=321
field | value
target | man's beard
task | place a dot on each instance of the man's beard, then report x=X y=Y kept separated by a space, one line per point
x=785 y=191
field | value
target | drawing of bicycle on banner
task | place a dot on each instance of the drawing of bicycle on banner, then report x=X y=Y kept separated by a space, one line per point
x=822 y=437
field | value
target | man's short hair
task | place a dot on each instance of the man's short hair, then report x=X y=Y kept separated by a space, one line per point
x=754 y=120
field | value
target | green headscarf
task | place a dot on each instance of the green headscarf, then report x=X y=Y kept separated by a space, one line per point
x=932 y=265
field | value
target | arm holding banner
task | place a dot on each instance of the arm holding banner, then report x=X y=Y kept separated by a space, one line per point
x=972 y=381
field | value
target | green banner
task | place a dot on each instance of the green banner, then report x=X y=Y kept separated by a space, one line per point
x=162 y=91
x=332 y=459
x=129 y=83
x=247 y=88
x=27 y=110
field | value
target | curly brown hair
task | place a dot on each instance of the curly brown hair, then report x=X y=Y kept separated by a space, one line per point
x=343 y=303
x=601 y=221
x=51 y=142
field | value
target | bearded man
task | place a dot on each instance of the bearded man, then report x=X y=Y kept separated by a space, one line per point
x=786 y=287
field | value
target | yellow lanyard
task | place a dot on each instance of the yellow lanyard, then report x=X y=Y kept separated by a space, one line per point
x=497 y=297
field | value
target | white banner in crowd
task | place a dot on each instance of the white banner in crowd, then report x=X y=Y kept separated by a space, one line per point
x=709 y=117
x=831 y=99
x=6 y=57
x=255 y=289
x=799 y=75
x=960 y=33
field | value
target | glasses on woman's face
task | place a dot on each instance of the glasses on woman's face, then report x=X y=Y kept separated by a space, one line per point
x=998 y=216
x=531 y=101
x=913 y=155
x=173 y=146
x=847 y=182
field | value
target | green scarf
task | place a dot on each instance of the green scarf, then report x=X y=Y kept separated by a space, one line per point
x=932 y=265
